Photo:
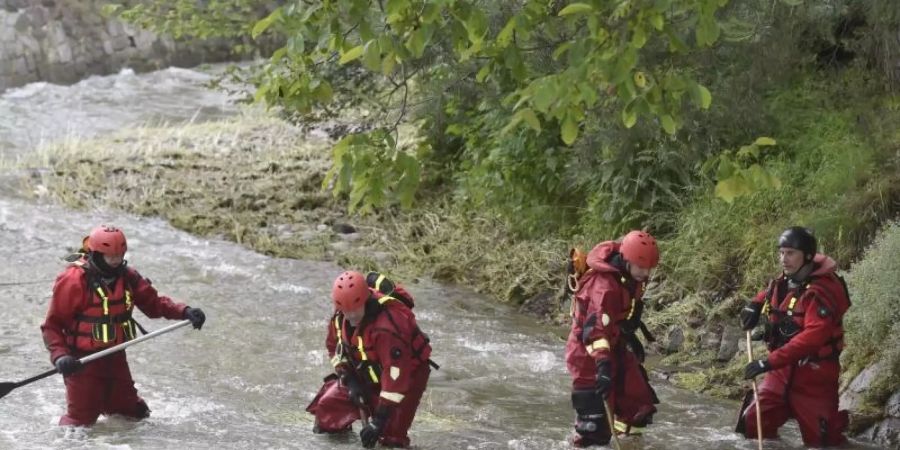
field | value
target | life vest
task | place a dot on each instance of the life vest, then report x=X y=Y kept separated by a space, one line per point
x=107 y=319
x=355 y=352
x=784 y=322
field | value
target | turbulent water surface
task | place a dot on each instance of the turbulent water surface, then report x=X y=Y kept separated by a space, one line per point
x=244 y=380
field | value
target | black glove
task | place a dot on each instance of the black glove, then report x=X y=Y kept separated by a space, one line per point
x=750 y=315
x=196 y=316
x=755 y=368
x=604 y=379
x=67 y=365
x=635 y=345
x=370 y=433
x=354 y=389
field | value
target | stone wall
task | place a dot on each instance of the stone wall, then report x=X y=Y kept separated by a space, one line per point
x=63 y=41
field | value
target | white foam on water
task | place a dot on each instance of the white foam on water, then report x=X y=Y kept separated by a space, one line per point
x=315 y=356
x=29 y=90
x=292 y=288
x=543 y=362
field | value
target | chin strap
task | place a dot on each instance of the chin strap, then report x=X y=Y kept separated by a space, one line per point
x=799 y=277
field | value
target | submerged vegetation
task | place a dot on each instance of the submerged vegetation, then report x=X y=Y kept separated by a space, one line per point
x=771 y=114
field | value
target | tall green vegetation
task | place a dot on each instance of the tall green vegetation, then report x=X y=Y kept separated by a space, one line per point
x=502 y=91
x=874 y=284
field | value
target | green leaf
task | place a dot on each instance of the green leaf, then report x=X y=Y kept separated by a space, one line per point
x=569 y=130
x=505 y=36
x=639 y=38
x=528 y=115
x=278 y=54
x=758 y=176
x=747 y=152
x=430 y=13
x=676 y=44
x=764 y=141
x=332 y=178
x=702 y=96
x=731 y=188
x=545 y=95
x=351 y=54
x=262 y=25
x=387 y=64
x=707 y=31
x=396 y=6
x=792 y=2
x=372 y=56
x=623 y=66
x=483 y=73
x=410 y=174
x=513 y=123
x=323 y=92
x=476 y=26
x=261 y=92
x=657 y=21
x=417 y=41
x=629 y=117
x=576 y=8
x=727 y=167
x=560 y=50
x=668 y=123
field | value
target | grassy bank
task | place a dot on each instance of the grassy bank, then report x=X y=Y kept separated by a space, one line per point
x=257 y=181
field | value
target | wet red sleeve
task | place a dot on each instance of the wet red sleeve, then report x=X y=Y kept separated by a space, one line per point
x=68 y=299
x=153 y=305
x=816 y=332
x=760 y=296
x=601 y=323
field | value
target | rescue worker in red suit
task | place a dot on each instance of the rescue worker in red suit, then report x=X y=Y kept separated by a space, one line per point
x=91 y=310
x=804 y=335
x=603 y=355
x=380 y=358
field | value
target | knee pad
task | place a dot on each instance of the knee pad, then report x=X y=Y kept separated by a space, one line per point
x=585 y=426
x=587 y=402
x=591 y=419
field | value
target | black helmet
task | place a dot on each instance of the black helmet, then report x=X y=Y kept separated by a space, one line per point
x=801 y=239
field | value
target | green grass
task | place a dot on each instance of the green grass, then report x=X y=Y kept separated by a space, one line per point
x=873 y=322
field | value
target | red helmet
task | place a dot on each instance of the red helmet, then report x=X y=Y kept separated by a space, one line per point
x=349 y=291
x=107 y=240
x=640 y=248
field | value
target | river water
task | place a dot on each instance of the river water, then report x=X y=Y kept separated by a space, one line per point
x=244 y=380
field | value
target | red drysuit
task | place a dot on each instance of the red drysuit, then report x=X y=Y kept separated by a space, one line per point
x=805 y=338
x=86 y=316
x=606 y=300
x=390 y=356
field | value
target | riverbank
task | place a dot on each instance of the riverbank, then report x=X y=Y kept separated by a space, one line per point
x=257 y=180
